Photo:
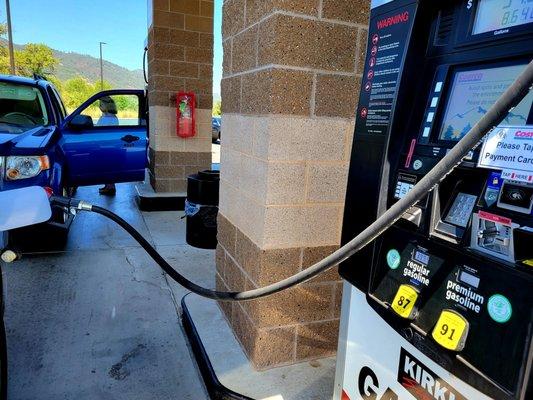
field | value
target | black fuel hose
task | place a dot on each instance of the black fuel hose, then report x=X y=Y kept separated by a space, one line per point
x=495 y=115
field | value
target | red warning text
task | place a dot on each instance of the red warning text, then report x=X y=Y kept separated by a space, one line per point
x=397 y=19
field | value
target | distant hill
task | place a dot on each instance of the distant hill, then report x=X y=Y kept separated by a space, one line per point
x=72 y=64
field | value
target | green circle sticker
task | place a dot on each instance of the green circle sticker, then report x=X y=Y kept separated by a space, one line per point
x=393 y=259
x=499 y=308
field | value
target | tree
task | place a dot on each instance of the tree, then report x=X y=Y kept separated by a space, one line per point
x=217 y=108
x=56 y=82
x=78 y=89
x=126 y=102
x=4 y=60
x=75 y=91
x=35 y=58
x=4 y=53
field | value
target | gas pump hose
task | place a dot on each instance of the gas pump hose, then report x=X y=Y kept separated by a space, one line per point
x=495 y=115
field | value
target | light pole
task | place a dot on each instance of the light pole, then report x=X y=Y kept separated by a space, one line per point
x=101 y=67
x=10 y=39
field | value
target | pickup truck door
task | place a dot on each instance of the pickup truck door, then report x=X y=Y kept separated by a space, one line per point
x=105 y=139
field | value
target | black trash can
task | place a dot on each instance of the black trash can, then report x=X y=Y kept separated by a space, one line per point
x=201 y=209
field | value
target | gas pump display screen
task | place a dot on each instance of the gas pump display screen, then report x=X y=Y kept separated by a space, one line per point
x=469 y=279
x=473 y=92
x=421 y=257
x=492 y=15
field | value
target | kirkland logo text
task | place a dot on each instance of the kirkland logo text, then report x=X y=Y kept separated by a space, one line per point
x=423 y=383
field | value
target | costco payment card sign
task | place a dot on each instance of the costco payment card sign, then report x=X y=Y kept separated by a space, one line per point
x=511 y=150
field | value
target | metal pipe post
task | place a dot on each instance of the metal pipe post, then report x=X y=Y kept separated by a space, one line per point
x=10 y=39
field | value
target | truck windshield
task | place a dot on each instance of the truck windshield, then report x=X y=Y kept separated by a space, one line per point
x=21 y=108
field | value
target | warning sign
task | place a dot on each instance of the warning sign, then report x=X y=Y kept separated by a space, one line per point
x=509 y=148
x=386 y=49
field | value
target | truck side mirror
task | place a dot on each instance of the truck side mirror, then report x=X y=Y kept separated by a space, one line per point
x=23 y=207
x=80 y=122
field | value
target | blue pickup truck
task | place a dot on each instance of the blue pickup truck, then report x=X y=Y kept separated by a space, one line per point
x=102 y=141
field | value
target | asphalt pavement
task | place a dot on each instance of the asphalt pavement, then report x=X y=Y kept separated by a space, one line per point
x=99 y=320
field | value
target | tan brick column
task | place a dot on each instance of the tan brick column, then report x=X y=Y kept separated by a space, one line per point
x=180 y=57
x=291 y=78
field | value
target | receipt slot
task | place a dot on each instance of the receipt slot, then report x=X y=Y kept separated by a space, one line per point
x=440 y=306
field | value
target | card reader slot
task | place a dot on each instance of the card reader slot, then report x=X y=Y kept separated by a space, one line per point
x=516 y=196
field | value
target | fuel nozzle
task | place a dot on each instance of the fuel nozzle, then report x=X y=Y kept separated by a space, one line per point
x=70 y=203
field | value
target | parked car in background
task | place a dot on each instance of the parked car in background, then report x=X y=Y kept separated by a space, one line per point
x=216 y=121
x=40 y=145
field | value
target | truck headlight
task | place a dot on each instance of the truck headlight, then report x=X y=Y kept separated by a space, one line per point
x=22 y=167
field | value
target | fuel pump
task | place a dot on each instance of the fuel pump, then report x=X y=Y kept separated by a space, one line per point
x=440 y=306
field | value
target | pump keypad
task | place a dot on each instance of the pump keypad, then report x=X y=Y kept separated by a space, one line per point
x=461 y=209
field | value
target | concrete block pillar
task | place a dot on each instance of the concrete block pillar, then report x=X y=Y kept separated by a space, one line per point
x=180 y=57
x=289 y=89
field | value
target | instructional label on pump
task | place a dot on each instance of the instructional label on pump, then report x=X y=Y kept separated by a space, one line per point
x=517 y=176
x=495 y=218
x=404 y=301
x=451 y=330
x=494 y=185
x=509 y=149
x=387 y=47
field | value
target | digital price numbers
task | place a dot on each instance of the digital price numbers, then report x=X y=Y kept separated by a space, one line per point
x=493 y=15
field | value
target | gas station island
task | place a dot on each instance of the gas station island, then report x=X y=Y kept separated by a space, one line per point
x=401 y=131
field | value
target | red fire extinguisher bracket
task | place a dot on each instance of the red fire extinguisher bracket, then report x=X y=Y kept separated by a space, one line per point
x=186 y=114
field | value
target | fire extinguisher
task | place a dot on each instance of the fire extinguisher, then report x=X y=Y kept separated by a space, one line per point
x=186 y=114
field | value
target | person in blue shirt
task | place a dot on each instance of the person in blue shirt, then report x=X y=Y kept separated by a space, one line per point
x=108 y=107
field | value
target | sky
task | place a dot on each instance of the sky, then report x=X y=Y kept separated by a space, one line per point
x=79 y=26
